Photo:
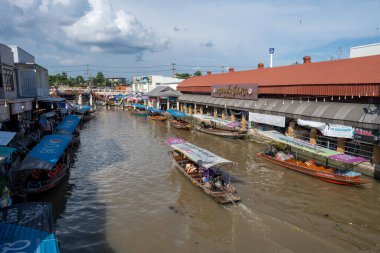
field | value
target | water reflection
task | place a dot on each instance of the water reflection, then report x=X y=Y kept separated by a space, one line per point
x=123 y=195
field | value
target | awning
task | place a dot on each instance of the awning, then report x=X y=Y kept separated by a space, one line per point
x=51 y=99
x=349 y=114
x=6 y=137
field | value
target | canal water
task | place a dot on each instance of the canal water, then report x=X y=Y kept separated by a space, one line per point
x=123 y=195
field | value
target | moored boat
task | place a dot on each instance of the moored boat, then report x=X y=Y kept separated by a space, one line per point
x=139 y=110
x=203 y=169
x=70 y=126
x=220 y=132
x=155 y=114
x=28 y=227
x=332 y=166
x=179 y=120
x=44 y=167
x=342 y=177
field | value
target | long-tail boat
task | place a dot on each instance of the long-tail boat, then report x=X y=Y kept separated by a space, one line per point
x=219 y=132
x=139 y=110
x=28 y=227
x=70 y=126
x=155 y=114
x=44 y=167
x=339 y=172
x=179 y=120
x=203 y=169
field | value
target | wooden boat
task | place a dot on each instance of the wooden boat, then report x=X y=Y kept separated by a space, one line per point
x=155 y=114
x=196 y=164
x=342 y=174
x=44 y=167
x=70 y=126
x=219 y=132
x=139 y=110
x=28 y=227
x=179 y=124
x=156 y=117
x=325 y=174
x=179 y=119
x=218 y=123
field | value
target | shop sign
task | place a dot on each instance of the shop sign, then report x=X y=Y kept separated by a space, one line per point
x=239 y=91
x=366 y=135
x=338 y=131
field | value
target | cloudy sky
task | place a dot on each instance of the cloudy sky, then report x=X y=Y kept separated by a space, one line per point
x=128 y=38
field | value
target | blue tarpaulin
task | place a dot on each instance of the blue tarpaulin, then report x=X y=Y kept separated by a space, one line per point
x=139 y=106
x=84 y=109
x=177 y=114
x=46 y=154
x=152 y=109
x=29 y=228
x=68 y=125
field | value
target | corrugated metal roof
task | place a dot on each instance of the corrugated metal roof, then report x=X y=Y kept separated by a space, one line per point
x=350 y=114
x=361 y=70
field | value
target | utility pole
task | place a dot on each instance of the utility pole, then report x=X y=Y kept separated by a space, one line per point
x=174 y=69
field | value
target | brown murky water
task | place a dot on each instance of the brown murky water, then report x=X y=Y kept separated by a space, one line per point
x=123 y=195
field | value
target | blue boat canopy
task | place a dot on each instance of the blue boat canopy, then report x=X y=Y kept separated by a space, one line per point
x=28 y=227
x=177 y=114
x=6 y=137
x=152 y=109
x=140 y=106
x=84 y=109
x=46 y=154
x=68 y=125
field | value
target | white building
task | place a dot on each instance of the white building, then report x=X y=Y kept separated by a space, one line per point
x=32 y=79
x=8 y=88
x=365 y=50
x=147 y=83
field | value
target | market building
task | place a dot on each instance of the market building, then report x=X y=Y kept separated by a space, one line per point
x=147 y=83
x=334 y=103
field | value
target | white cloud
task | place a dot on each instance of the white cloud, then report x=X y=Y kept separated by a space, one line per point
x=105 y=30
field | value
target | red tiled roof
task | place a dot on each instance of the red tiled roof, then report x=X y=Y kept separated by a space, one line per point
x=361 y=70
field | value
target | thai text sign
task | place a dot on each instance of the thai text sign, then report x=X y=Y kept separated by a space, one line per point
x=241 y=91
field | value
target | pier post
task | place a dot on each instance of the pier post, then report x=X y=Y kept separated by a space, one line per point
x=313 y=136
x=340 y=145
x=291 y=127
x=215 y=112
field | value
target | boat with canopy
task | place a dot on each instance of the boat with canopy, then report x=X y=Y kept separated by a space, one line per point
x=139 y=110
x=8 y=157
x=70 y=126
x=203 y=169
x=155 y=114
x=28 y=227
x=337 y=168
x=44 y=167
x=179 y=120
x=219 y=127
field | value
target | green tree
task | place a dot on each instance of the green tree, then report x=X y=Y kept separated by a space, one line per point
x=79 y=80
x=99 y=80
x=197 y=73
x=183 y=75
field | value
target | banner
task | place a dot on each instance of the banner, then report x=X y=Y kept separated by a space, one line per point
x=338 y=131
x=272 y=120
x=332 y=130
x=308 y=123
